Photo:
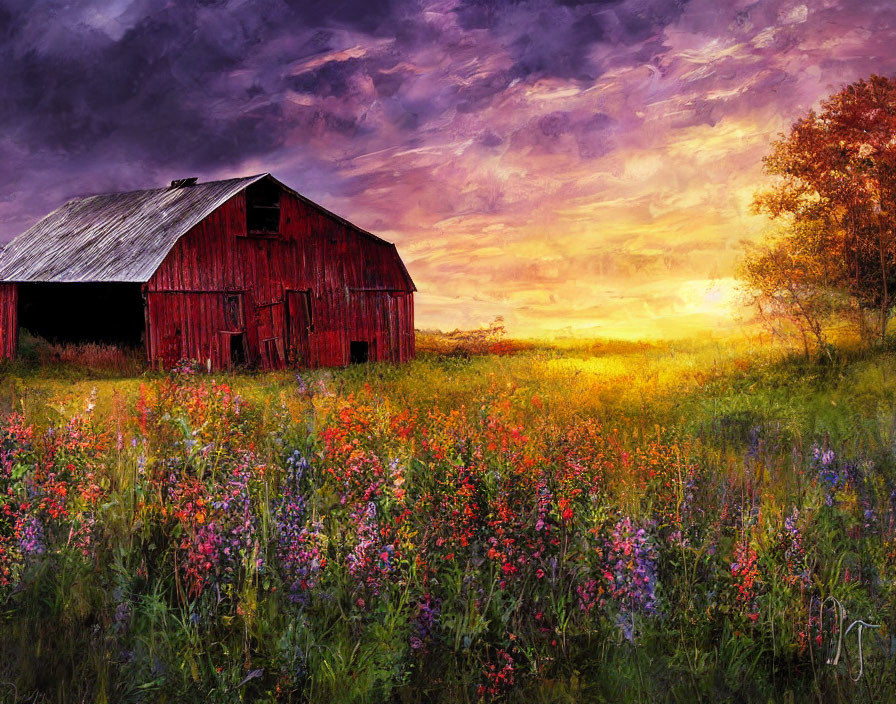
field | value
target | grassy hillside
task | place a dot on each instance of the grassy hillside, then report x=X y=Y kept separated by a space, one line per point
x=582 y=522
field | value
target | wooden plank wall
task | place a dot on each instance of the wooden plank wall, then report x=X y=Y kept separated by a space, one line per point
x=187 y=326
x=359 y=289
x=9 y=320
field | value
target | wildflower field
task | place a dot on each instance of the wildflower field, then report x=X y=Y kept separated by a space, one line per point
x=689 y=521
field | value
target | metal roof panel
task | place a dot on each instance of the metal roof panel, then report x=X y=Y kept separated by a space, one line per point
x=114 y=237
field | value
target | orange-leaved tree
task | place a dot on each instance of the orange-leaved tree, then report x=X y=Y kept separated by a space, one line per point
x=789 y=282
x=835 y=186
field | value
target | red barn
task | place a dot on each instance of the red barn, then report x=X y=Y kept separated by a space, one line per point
x=242 y=271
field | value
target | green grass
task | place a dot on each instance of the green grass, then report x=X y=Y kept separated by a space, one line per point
x=688 y=384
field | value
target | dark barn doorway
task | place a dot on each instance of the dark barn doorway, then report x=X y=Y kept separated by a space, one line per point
x=110 y=313
x=238 y=356
x=359 y=352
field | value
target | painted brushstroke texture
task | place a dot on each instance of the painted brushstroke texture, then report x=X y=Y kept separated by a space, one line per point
x=583 y=166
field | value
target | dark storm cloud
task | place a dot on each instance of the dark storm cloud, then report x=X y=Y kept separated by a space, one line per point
x=332 y=79
x=558 y=45
x=145 y=86
x=482 y=92
x=594 y=137
x=150 y=87
x=387 y=83
x=583 y=135
x=369 y=16
x=131 y=88
x=490 y=140
x=555 y=37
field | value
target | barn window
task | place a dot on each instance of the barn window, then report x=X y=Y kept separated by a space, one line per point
x=233 y=311
x=263 y=209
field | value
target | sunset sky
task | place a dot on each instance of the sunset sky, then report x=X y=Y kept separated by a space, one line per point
x=577 y=167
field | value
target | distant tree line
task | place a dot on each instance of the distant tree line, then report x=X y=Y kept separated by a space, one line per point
x=832 y=260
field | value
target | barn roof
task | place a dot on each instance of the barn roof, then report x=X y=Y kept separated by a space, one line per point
x=112 y=237
x=122 y=237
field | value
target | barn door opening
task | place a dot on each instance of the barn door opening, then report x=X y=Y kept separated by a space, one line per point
x=271 y=324
x=299 y=326
x=77 y=313
x=238 y=351
x=234 y=352
x=359 y=351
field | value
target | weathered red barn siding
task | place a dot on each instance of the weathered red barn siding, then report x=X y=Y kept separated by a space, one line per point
x=9 y=320
x=357 y=286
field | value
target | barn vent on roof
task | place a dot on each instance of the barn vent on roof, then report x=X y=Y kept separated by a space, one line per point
x=172 y=269
x=184 y=182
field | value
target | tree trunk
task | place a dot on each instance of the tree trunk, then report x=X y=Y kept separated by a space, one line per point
x=884 y=319
x=885 y=301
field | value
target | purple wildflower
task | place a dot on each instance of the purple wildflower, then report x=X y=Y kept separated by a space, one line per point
x=544 y=502
x=366 y=527
x=833 y=475
x=631 y=557
x=794 y=554
x=429 y=610
x=370 y=561
x=300 y=548
x=31 y=537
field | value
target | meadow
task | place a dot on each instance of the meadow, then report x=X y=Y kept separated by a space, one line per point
x=701 y=520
